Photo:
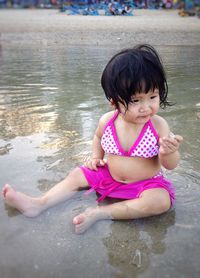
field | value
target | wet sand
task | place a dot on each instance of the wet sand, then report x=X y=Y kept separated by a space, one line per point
x=46 y=246
x=158 y=27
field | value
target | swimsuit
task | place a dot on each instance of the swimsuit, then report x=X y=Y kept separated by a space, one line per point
x=145 y=146
x=102 y=182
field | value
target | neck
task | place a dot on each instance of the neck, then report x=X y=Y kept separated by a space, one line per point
x=129 y=124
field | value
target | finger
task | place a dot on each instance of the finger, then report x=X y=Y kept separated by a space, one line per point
x=101 y=162
x=166 y=147
x=163 y=143
x=94 y=165
x=167 y=150
x=179 y=138
x=171 y=145
x=170 y=142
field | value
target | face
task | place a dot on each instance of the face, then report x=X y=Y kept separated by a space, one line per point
x=142 y=107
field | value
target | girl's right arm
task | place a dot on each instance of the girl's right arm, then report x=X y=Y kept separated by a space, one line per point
x=97 y=157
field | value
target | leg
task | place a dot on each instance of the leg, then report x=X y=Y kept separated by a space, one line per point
x=151 y=202
x=60 y=192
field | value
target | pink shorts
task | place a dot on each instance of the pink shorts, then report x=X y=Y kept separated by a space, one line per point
x=102 y=182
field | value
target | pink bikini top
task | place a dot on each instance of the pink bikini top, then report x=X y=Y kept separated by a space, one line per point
x=145 y=146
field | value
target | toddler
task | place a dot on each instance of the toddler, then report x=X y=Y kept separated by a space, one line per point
x=136 y=142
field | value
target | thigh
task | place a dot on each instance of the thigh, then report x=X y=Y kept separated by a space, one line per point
x=76 y=179
x=151 y=202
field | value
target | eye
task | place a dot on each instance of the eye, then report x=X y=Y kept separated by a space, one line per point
x=135 y=100
x=152 y=97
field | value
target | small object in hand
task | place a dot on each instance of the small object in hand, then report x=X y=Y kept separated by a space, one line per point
x=172 y=135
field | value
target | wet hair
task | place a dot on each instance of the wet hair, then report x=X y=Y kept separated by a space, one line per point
x=131 y=71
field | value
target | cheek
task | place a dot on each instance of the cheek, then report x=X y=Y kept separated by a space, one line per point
x=132 y=113
x=133 y=109
x=156 y=105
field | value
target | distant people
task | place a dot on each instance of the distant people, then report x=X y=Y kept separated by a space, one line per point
x=167 y=4
x=127 y=10
x=112 y=8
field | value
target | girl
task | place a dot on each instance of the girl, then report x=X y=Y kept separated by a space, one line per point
x=136 y=141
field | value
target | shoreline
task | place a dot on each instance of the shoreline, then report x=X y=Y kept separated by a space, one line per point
x=161 y=27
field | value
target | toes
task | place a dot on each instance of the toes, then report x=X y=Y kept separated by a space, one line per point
x=80 y=224
x=5 y=190
x=78 y=219
x=86 y=219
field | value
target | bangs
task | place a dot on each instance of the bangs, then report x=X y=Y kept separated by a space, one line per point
x=131 y=71
x=148 y=80
x=141 y=77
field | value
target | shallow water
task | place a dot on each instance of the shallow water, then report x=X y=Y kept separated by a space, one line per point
x=50 y=102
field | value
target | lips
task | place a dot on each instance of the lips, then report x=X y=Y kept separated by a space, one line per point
x=143 y=116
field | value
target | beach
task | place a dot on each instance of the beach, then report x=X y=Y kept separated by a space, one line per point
x=158 y=27
x=50 y=103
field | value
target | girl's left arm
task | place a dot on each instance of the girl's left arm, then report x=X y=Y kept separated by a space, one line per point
x=169 y=155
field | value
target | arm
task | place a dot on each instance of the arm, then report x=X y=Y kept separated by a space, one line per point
x=97 y=157
x=97 y=151
x=169 y=145
x=168 y=153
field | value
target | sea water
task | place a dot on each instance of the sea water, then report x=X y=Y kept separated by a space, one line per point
x=50 y=103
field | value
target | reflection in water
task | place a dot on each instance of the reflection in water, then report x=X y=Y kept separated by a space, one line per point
x=130 y=245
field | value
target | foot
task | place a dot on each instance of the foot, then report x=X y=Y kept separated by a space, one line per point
x=86 y=219
x=28 y=206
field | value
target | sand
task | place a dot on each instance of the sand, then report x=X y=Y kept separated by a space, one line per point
x=47 y=247
x=158 y=27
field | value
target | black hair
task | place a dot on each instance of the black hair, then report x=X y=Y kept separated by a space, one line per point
x=134 y=70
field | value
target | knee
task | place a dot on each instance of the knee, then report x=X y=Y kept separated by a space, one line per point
x=157 y=208
x=166 y=205
x=163 y=207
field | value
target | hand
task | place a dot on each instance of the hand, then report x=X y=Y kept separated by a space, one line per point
x=94 y=163
x=169 y=145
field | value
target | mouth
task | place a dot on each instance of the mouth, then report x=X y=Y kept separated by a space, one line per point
x=143 y=116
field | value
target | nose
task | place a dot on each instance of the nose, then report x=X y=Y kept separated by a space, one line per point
x=143 y=107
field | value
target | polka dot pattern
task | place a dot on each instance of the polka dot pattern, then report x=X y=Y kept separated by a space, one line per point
x=108 y=142
x=147 y=146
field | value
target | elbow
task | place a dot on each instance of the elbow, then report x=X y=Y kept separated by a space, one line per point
x=170 y=167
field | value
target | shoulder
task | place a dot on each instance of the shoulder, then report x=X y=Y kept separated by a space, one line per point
x=105 y=118
x=161 y=126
